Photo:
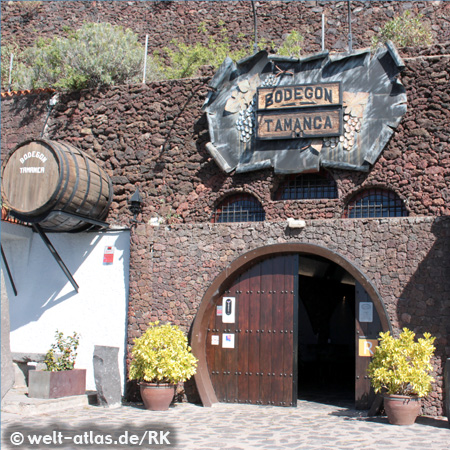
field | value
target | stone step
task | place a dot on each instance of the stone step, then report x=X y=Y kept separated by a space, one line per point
x=16 y=401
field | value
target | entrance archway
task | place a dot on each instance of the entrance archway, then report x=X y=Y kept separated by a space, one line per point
x=234 y=277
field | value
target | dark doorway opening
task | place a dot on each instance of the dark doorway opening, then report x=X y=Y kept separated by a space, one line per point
x=326 y=332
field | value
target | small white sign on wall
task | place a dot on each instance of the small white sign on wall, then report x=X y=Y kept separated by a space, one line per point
x=228 y=309
x=214 y=339
x=227 y=340
x=366 y=312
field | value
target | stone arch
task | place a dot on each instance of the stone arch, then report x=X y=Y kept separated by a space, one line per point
x=240 y=265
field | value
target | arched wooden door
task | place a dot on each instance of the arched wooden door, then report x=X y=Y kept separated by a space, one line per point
x=255 y=365
x=253 y=359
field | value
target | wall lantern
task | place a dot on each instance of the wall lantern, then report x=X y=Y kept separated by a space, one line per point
x=135 y=203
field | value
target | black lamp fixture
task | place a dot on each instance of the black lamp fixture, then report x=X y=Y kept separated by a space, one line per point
x=135 y=203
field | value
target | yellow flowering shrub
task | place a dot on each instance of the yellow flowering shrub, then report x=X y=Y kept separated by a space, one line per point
x=162 y=355
x=402 y=366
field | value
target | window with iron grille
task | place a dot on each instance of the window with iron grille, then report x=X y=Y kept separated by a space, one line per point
x=375 y=203
x=307 y=186
x=239 y=208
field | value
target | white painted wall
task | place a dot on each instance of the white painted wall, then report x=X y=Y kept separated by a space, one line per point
x=46 y=300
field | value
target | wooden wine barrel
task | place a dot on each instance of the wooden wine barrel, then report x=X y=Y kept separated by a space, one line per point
x=52 y=183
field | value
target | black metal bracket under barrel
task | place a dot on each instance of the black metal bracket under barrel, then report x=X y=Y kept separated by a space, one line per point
x=55 y=254
x=11 y=279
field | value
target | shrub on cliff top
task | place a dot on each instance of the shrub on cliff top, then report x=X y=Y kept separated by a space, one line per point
x=97 y=54
x=292 y=45
x=406 y=30
x=182 y=60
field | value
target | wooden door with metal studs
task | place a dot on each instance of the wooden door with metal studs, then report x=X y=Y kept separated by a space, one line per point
x=251 y=345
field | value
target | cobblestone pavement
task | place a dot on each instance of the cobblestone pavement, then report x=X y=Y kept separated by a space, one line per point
x=236 y=427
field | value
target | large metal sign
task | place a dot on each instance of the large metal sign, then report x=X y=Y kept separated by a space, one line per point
x=298 y=114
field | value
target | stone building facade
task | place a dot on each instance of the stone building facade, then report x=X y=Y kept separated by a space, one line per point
x=153 y=137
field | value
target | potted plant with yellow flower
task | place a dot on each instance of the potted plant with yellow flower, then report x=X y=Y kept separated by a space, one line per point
x=161 y=358
x=400 y=370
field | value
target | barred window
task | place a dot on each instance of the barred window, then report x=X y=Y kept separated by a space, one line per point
x=375 y=203
x=239 y=208
x=307 y=186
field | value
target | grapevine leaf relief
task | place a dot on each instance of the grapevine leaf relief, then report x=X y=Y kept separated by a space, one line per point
x=355 y=103
x=242 y=96
x=354 y=106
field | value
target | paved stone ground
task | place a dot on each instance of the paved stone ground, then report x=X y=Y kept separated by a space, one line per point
x=236 y=427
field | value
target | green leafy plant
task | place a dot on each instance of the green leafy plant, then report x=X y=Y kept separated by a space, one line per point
x=162 y=355
x=62 y=353
x=292 y=45
x=97 y=54
x=184 y=60
x=402 y=366
x=405 y=30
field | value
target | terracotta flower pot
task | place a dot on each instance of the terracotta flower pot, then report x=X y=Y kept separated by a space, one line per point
x=401 y=409
x=157 y=396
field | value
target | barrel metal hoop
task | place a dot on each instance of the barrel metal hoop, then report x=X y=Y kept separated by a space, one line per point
x=61 y=158
x=60 y=177
x=99 y=193
x=63 y=191
x=104 y=211
x=88 y=170
x=100 y=190
x=88 y=184
x=77 y=177
x=110 y=198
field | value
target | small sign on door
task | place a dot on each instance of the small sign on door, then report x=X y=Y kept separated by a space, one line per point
x=367 y=347
x=228 y=309
x=214 y=339
x=366 y=312
x=227 y=340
